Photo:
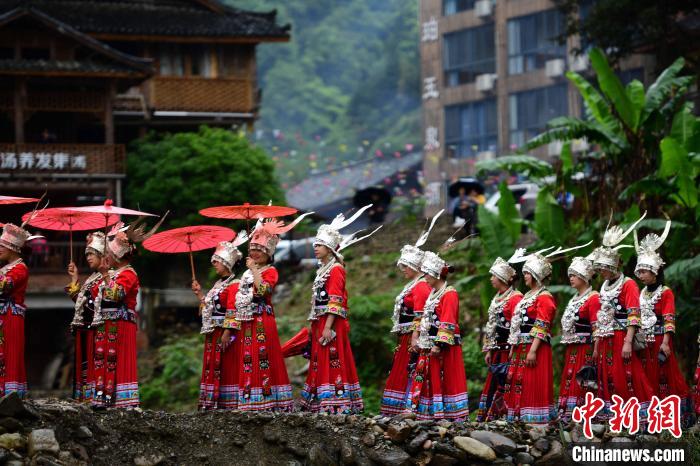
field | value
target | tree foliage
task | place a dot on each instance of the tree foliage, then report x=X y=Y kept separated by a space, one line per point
x=349 y=74
x=186 y=172
x=623 y=27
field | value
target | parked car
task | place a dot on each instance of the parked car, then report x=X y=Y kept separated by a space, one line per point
x=525 y=195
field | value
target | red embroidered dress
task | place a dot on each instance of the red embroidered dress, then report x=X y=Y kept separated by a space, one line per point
x=438 y=384
x=218 y=388
x=332 y=385
x=408 y=306
x=84 y=351
x=665 y=379
x=116 y=377
x=577 y=327
x=619 y=309
x=263 y=383
x=529 y=393
x=13 y=285
x=496 y=335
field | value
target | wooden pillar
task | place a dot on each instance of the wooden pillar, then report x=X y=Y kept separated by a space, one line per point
x=109 y=118
x=20 y=99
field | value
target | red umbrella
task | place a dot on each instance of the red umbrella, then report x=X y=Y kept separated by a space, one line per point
x=107 y=210
x=247 y=212
x=295 y=346
x=188 y=239
x=67 y=220
x=16 y=200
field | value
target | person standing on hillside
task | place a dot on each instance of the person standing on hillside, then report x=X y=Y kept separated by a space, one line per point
x=408 y=305
x=115 y=317
x=577 y=324
x=14 y=276
x=263 y=382
x=658 y=312
x=218 y=388
x=84 y=297
x=438 y=384
x=332 y=385
x=496 y=347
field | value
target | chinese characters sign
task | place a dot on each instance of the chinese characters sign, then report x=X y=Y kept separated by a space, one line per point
x=42 y=161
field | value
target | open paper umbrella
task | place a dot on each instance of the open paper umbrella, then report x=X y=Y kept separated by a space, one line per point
x=188 y=239
x=16 y=200
x=68 y=220
x=107 y=209
x=247 y=212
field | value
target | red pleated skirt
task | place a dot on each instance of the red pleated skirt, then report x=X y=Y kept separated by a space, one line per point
x=263 y=383
x=116 y=374
x=619 y=377
x=13 y=374
x=571 y=394
x=396 y=391
x=492 y=392
x=666 y=379
x=443 y=392
x=218 y=387
x=332 y=385
x=529 y=392
x=84 y=362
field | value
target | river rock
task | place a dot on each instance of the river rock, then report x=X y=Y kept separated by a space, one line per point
x=11 y=405
x=555 y=457
x=391 y=457
x=500 y=443
x=536 y=433
x=11 y=424
x=399 y=432
x=418 y=441
x=319 y=457
x=475 y=448
x=12 y=441
x=443 y=460
x=43 y=441
x=542 y=445
x=368 y=439
x=149 y=460
x=524 y=458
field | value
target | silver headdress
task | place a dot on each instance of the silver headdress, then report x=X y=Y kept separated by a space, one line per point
x=227 y=251
x=539 y=265
x=607 y=256
x=647 y=257
x=412 y=255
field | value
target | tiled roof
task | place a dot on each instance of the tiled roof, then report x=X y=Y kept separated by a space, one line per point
x=184 y=18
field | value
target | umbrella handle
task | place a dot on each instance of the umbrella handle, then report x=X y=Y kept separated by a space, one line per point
x=70 y=235
x=189 y=246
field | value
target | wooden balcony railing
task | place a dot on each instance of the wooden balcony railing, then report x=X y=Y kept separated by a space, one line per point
x=94 y=159
x=233 y=95
x=54 y=256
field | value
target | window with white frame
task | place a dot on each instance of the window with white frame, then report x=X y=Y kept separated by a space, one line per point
x=530 y=111
x=533 y=40
x=471 y=128
x=469 y=53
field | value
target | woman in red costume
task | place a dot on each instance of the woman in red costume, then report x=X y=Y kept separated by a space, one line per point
x=496 y=347
x=331 y=384
x=14 y=276
x=84 y=296
x=529 y=392
x=658 y=311
x=263 y=383
x=115 y=320
x=577 y=324
x=620 y=370
x=408 y=306
x=438 y=384
x=218 y=387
